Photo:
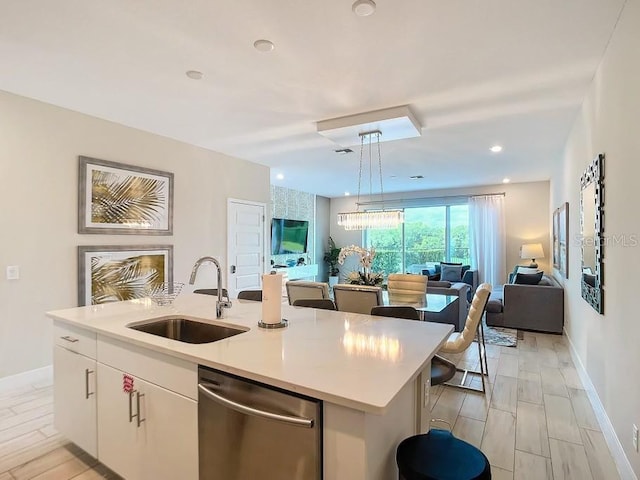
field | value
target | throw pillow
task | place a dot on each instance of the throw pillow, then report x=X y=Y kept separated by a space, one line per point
x=527 y=270
x=528 y=278
x=451 y=273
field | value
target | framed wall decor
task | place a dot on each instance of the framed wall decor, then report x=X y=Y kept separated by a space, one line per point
x=114 y=198
x=556 y=240
x=108 y=273
x=563 y=235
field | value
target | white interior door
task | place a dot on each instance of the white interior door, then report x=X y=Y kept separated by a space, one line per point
x=246 y=248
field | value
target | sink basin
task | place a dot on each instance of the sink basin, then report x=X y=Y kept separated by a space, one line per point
x=187 y=330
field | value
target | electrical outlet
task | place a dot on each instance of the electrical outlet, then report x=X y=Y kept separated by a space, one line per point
x=635 y=438
x=13 y=272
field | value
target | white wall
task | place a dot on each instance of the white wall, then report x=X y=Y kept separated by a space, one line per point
x=608 y=123
x=39 y=148
x=526 y=215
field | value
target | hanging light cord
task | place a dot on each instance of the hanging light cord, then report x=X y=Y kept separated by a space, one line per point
x=380 y=171
x=360 y=172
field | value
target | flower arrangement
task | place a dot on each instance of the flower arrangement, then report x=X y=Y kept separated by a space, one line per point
x=366 y=276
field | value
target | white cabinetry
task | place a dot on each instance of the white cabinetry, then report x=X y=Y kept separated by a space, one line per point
x=150 y=433
x=74 y=387
x=306 y=272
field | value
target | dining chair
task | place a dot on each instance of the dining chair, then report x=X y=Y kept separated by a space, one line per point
x=396 y=311
x=298 y=289
x=254 y=295
x=356 y=298
x=212 y=291
x=405 y=288
x=442 y=370
x=458 y=342
x=320 y=303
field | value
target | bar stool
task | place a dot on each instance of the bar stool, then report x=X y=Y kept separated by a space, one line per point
x=438 y=455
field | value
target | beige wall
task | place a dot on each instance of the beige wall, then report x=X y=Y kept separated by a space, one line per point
x=526 y=216
x=39 y=148
x=608 y=123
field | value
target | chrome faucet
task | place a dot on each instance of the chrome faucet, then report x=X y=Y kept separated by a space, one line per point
x=220 y=303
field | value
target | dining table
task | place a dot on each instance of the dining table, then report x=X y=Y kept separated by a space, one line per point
x=435 y=307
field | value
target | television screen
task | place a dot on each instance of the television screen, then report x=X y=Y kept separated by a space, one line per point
x=288 y=236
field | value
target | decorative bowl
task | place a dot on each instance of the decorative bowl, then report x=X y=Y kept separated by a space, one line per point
x=164 y=293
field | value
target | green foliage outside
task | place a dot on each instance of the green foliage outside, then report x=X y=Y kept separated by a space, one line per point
x=425 y=243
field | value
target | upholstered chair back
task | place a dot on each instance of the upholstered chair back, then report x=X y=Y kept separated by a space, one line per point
x=406 y=289
x=356 y=298
x=299 y=289
x=459 y=341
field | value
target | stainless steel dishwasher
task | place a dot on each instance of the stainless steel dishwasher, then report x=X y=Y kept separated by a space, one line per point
x=250 y=431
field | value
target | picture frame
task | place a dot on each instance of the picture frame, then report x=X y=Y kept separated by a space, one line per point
x=109 y=273
x=119 y=199
x=560 y=237
x=556 y=240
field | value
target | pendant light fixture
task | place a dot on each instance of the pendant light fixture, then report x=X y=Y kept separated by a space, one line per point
x=375 y=219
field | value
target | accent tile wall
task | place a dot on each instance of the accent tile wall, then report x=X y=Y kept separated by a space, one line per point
x=294 y=205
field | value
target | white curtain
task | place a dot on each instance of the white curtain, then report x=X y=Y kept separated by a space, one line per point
x=487 y=234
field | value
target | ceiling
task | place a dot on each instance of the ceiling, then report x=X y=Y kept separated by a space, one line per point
x=474 y=72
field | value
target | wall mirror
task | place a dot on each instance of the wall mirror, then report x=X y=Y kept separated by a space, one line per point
x=592 y=232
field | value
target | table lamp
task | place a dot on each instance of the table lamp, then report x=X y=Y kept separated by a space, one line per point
x=532 y=251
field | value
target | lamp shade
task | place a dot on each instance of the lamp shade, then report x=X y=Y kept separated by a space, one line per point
x=532 y=250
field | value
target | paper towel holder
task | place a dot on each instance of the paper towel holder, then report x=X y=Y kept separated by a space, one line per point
x=281 y=324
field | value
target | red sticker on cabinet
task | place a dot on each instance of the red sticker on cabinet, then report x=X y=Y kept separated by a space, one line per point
x=127 y=383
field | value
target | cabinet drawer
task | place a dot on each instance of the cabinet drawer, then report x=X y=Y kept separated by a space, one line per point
x=76 y=339
x=169 y=372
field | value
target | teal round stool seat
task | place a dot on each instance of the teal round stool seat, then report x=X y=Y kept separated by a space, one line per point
x=438 y=455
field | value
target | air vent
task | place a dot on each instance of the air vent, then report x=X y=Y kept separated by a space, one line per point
x=416 y=177
x=343 y=151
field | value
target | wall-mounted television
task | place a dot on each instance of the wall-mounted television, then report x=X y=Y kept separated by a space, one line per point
x=289 y=236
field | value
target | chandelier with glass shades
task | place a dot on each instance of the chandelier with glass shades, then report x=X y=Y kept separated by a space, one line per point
x=372 y=219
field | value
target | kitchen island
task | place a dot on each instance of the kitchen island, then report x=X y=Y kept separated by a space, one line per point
x=371 y=374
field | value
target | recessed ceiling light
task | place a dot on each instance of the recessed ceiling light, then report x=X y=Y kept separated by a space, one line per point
x=263 y=45
x=346 y=194
x=363 y=8
x=496 y=149
x=280 y=176
x=194 y=74
x=506 y=180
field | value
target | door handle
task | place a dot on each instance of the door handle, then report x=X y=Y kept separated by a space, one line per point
x=233 y=269
x=238 y=407
x=136 y=415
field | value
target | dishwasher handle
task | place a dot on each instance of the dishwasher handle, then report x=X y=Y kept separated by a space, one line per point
x=298 y=421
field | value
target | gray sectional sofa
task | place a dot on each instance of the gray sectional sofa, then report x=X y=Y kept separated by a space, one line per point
x=455 y=314
x=528 y=307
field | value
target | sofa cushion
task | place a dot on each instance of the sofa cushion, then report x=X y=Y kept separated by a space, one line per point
x=528 y=278
x=451 y=273
x=527 y=270
x=494 y=306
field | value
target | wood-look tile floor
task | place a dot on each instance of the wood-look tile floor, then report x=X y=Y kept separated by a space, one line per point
x=535 y=422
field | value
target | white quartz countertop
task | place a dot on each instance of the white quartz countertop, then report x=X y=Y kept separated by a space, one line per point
x=353 y=360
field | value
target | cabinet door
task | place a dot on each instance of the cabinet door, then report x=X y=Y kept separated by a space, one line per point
x=74 y=398
x=163 y=445
x=118 y=446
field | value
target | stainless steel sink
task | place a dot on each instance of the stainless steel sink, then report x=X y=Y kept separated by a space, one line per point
x=187 y=330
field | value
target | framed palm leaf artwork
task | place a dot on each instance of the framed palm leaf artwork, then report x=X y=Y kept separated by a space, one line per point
x=115 y=198
x=108 y=273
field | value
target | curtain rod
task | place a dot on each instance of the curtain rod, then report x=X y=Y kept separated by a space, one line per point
x=431 y=199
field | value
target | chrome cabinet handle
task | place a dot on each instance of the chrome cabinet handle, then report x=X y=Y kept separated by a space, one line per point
x=238 y=407
x=87 y=372
x=131 y=415
x=138 y=417
x=69 y=338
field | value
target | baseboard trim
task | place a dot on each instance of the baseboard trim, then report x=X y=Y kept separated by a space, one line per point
x=619 y=457
x=27 y=378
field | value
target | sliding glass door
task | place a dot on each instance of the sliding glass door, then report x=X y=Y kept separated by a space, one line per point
x=428 y=236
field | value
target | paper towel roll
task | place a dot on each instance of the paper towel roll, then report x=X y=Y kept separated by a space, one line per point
x=272 y=298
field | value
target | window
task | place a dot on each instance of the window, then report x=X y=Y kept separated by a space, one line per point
x=428 y=236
